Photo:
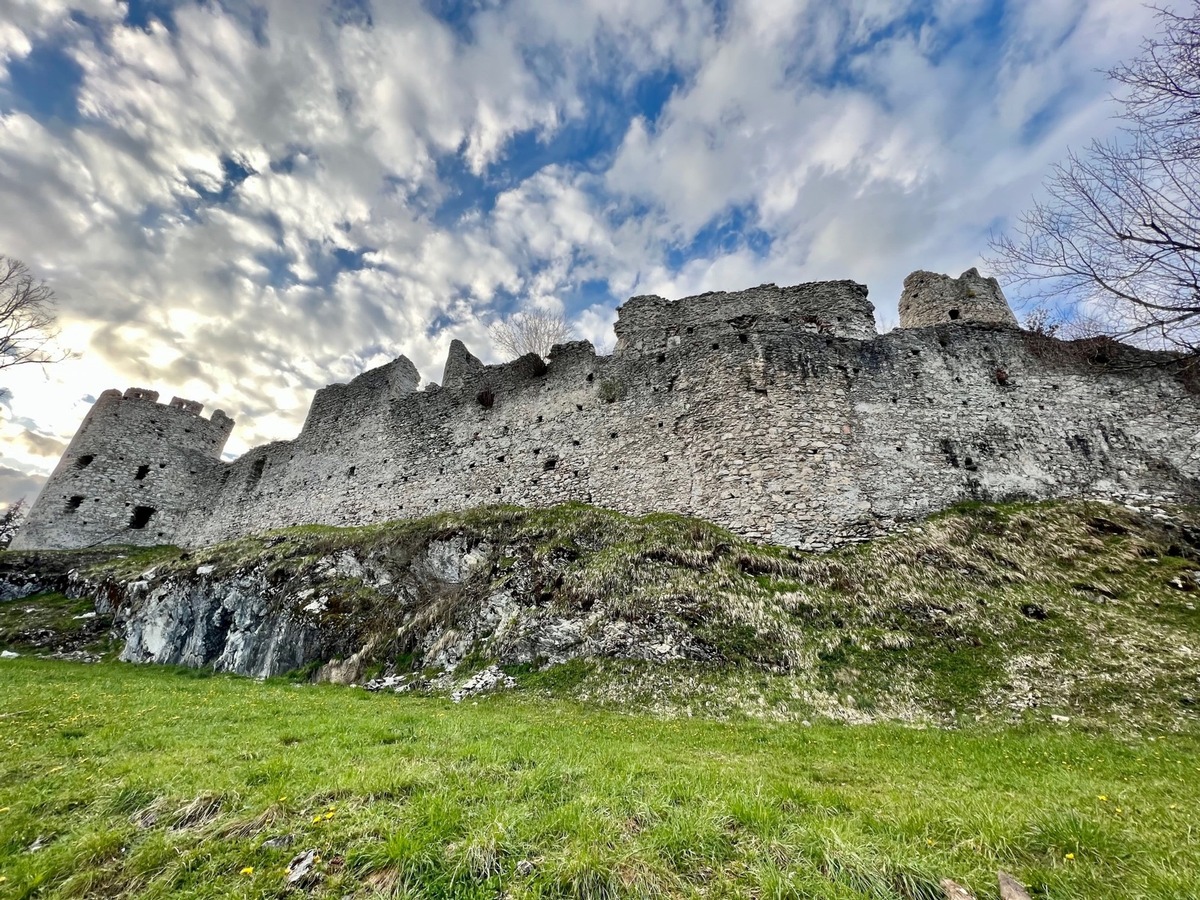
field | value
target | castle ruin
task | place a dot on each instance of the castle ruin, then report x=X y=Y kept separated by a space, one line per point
x=778 y=413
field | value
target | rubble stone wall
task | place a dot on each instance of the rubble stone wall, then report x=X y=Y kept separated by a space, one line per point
x=749 y=414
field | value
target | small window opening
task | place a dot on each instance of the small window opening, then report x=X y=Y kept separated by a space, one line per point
x=549 y=464
x=537 y=450
x=743 y=339
x=75 y=502
x=142 y=472
x=141 y=516
x=495 y=490
x=579 y=407
x=162 y=465
x=84 y=461
x=716 y=346
x=591 y=377
x=612 y=434
x=500 y=458
x=350 y=472
x=574 y=443
x=954 y=314
x=539 y=418
x=662 y=357
x=690 y=330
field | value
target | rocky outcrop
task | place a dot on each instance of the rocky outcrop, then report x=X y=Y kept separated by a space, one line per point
x=342 y=612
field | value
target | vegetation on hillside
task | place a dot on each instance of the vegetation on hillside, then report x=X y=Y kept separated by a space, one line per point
x=998 y=612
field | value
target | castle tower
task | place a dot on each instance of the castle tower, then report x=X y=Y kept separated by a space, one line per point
x=129 y=475
x=933 y=299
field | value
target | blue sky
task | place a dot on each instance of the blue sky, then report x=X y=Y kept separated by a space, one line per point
x=239 y=202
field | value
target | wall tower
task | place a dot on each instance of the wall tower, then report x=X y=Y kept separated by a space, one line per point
x=933 y=299
x=129 y=475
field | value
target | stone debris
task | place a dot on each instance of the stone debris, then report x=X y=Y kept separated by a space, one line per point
x=397 y=684
x=1011 y=889
x=8 y=654
x=490 y=679
x=300 y=869
x=955 y=891
x=279 y=842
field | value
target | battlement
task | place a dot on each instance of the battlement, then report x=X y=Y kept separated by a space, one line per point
x=777 y=412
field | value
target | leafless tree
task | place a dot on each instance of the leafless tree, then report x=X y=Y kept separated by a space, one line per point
x=26 y=317
x=1117 y=238
x=531 y=331
x=10 y=521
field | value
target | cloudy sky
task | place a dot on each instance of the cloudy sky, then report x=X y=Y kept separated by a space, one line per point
x=238 y=202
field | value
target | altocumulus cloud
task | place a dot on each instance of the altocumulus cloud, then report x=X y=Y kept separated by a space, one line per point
x=239 y=202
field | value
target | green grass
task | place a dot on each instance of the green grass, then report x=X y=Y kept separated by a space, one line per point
x=152 y=782
x=52 y=621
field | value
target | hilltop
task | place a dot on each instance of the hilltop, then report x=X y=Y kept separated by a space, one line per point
x=996 y=612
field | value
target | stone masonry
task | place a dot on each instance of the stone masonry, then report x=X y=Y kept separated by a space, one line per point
x=776 y=412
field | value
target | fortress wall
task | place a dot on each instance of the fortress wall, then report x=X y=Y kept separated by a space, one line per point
x=841 y=308
x=131 y=453
x=779 y=434
x=744 y=412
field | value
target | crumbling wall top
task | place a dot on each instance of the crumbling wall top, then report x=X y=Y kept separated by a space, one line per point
x=933 y=299
x=840 y=308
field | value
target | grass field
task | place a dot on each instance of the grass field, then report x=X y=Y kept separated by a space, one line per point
x=152 y=782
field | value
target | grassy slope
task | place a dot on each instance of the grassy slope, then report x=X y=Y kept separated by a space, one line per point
x=1079 y=609
x=415 y=797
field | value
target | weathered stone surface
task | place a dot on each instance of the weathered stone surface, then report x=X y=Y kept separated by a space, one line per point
x=759 y=410
x=130 y=475
x=933 y=299
x=1011 y=889
x=955 y=891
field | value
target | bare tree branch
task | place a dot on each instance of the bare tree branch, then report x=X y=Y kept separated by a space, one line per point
x=531 y=331
x=27 y=317
x=1117 y=239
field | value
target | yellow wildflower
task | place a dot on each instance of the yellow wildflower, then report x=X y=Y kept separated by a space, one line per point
x=1103 y=799
x=1069 y=856
x=249 y=870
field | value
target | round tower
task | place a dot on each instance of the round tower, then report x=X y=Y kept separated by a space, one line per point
x=129 y=475
x=933 y=299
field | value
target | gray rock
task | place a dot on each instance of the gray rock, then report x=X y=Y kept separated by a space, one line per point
x=300 y=870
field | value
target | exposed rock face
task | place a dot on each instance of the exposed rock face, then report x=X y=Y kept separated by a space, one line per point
x=230 y=625
x=933 y=299
x=452 y=597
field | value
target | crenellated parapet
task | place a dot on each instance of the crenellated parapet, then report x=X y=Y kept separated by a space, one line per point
x=777 y=412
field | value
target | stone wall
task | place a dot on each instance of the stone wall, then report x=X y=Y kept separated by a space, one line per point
x=932 y=299
x=748 y=414
x=130 y=475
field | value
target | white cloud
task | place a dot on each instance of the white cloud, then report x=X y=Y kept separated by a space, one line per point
x=860 y=146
